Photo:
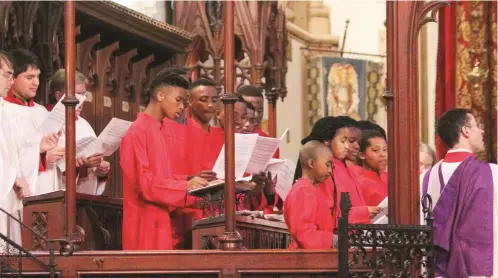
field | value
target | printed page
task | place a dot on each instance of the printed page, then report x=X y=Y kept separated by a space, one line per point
x=57 y=117
x=382 y=213
x=262 y=154
x=80 y=146
x=244 y=147
x=110 y=137
x=384 y=203
x=380 y=218
x=285 y=175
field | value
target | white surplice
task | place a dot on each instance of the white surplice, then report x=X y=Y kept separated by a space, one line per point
x=434 y=190
x=23 y=122
x=89 y=184
x=9 y=170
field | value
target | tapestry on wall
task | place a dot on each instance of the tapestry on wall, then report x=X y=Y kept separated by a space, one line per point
x=344 y=86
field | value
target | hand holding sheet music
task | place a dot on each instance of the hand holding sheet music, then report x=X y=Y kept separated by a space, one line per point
x=107 y=142
x=57 y=117
x=379 y=218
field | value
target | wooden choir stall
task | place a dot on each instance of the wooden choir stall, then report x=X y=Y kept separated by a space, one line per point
x=120 y=50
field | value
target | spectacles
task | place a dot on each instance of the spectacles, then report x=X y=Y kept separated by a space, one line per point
x=7 y=74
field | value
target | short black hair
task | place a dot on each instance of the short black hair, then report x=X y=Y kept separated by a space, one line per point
x=202 y=82
x=249 y=91
x=366 y=136
x=448 y=126
x=350 y=121
x=23 y=59
x=249 y=105
x=167 y=78
x=367 y=125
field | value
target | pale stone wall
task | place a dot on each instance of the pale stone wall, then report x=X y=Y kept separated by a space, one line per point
x=151 y=8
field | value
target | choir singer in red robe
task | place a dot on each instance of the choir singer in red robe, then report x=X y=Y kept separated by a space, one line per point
x=333 y=132
x=372 y=177
x=150 y=188
x=307 y=212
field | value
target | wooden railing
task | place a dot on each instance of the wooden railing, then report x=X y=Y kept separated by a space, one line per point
x=203 y=263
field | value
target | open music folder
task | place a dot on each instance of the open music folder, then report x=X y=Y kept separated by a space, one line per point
x=107 y=142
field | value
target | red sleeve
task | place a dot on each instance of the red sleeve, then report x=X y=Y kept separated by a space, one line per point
x=359 y=215
x=277 y=153
x=42 y=166
x=136 y=169
x=371 y=191
x=300 y=211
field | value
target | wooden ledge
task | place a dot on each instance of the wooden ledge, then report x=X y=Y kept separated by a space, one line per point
x=136 y=24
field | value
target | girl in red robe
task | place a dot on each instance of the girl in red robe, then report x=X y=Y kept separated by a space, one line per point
x=373 y=159
x=307 y=211
x=333 y=132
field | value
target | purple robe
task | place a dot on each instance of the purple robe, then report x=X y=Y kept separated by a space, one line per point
x=463 y=221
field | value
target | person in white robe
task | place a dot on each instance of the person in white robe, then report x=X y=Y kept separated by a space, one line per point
x=92 y=171
x=37 y=152
x=12 y=186
x=464 y=193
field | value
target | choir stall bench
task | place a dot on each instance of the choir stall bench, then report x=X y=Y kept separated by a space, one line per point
x=258 y=231
x=98 y=219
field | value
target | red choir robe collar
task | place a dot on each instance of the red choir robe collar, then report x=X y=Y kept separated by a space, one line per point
x=457 y=155
x=149 y=119
x=13 y=99
x=193 y=123
x=260 y=132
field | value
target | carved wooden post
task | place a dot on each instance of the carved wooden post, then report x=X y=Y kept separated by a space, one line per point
x=102 y=99
x=70 y=101
x=137 y=83
x=231 y=240
x=87 y=64
x=402 y=106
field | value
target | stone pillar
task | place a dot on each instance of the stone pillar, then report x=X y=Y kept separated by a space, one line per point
x=318 y=18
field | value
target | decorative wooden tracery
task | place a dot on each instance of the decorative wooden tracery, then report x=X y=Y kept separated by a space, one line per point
x=118 y=49
x=260 y=34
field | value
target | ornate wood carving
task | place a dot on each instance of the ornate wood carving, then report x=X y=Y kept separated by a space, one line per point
x=105 y=87
x=40 y=225
x=136 y=24
x=402 y=105
x=139 y=82
x=86 y=60
x=260 y=26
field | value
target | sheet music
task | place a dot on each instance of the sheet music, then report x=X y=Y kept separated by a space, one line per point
x=80 y=145
x=57 y=117
x=108 y=141
x=110 y=137
x=262 y=154
x=384 y=203
x=285 y=175
x=383 y=211
x=244 y=147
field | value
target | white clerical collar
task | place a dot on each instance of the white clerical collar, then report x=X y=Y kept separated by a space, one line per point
x=459 y=151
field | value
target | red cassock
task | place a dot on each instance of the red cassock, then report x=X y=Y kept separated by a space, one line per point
x=175 y=136
x=308 y=216
x=212 y=146
x=185 y=145
x=346 y=181
x=373 y=187
x=150 y=188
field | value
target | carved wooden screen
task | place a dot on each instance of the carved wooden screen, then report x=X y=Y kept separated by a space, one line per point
x=118 y=50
